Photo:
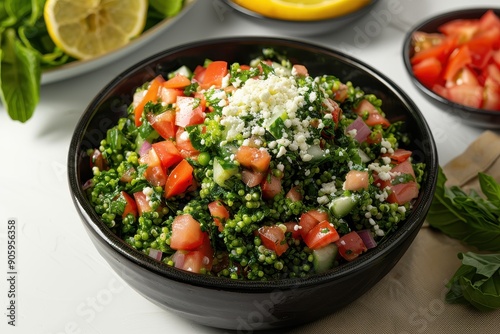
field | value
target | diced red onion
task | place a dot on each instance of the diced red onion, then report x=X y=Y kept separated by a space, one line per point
x=88 y=184
x=155 y=254
x=145 y=147
x=368 y=239
x=362 y=130
x=178 y=258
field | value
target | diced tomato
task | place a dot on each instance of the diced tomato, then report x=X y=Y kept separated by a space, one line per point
x=300 y=70
x=321 y=235
x=164 y=123
x=168 y=153
x=186 y=233
x=374 y=116
x=214 y=74
x=150 y=96
x=404 y=167
x=459 y=58
x=463 y=28
x=307 y=223
x=199 y=73
x=356 y=180
x=467 y=95
x=489 y=20
x=465 y=77
x=365 y=106
x=142 y=202
x=177 y=81
x=130 y=206
x=189 y=111
x=197 y=259
x=169 y=95
x=179 y=179
x=424 y=40
x=428 y=71
x=441 y=91
x=491 y=95
x=399 y=192
x=400 y=155
x=341 y=93
x=294 y=229
x=496 y=57
x=469 y=54
x=271 y=186
x=403 y=192
x=127 y=175
x=481 y=47
x=351 y=246
x=98 y=160
x=254 y=158
x=294 y=194
x=308 y=220
x=252 y=178
x=155 y=173
x=273 y=238
x=319 y=215
x=219 y=212
x=492 y=71
x=440 y=51
x=184 y=144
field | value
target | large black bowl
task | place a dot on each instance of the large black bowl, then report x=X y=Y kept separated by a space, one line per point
x=247 y=305
x=473 y=116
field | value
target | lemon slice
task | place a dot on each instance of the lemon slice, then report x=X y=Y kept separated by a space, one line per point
x=86 y=29
x=303 y=10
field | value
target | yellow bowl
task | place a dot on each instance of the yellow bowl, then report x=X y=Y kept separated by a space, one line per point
x=309 y=22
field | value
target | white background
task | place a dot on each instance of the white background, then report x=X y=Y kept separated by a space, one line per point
x=64 y=286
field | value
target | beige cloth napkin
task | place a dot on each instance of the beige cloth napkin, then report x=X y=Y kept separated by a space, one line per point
x=410 y=299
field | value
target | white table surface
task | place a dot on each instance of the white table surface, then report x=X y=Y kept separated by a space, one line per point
x=64 y=286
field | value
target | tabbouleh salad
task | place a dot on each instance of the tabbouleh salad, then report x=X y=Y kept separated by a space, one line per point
x=253 y=171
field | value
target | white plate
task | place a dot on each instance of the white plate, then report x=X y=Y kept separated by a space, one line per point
x=81 y=66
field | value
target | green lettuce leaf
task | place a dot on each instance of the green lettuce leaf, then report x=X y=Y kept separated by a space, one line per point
x=20 y=76
x=467 y=217
x=476 y=282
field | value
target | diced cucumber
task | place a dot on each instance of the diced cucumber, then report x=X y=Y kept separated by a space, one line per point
x=276 y=124
x=364 y=157
x=223 y=170
x=341 y=206
x=324 y=257
x=183 y=70
x=316 y=152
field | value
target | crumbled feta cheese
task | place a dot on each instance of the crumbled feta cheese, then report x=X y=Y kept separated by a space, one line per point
x=323 y=200
x=281 y=152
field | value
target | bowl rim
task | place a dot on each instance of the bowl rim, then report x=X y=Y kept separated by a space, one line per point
x=250 y=13
x=92 y=222
x=450 y=15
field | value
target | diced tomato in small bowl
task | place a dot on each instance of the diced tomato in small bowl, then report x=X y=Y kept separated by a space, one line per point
x=454 y=59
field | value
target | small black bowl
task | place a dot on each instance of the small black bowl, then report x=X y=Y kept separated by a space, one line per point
x=248 y=305
x=302 y=28
x=476 y=117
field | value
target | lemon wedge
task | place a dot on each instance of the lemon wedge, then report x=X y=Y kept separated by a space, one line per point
x=303 y=10
x=86 y=29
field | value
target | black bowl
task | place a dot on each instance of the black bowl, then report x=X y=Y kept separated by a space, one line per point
x=302 y=28
x=248 y=305
x=472 y=116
